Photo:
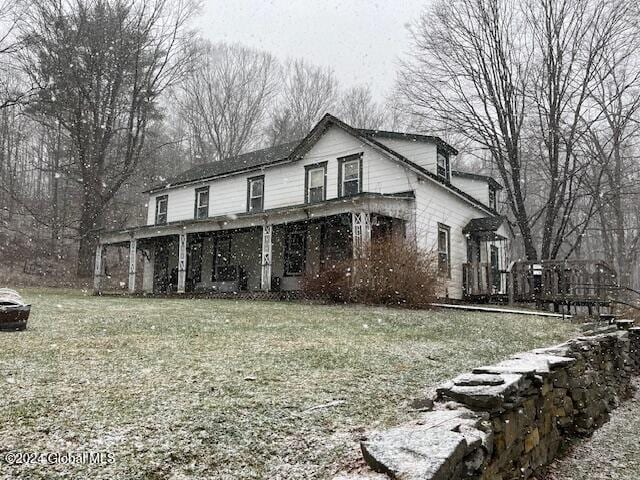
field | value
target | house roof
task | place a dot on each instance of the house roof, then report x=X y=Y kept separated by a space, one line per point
x=476 y=176
x=410 y=136
x=295 y=150
x=245 y=161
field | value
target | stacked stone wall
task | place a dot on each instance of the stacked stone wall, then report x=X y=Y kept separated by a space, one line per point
x=507 y=421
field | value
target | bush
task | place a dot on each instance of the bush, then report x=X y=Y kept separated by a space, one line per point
x=395 y=273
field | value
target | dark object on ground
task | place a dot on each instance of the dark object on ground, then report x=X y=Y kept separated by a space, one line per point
x=14 y=313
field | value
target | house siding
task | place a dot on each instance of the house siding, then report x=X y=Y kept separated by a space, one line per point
x=434 y=205
x=476 y=188
x=284 y=185
x=423 y=153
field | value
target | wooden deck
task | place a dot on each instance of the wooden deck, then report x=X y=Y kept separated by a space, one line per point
x=557 y=282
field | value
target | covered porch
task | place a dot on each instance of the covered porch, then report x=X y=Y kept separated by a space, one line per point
x=485 y=274
x=270 y=251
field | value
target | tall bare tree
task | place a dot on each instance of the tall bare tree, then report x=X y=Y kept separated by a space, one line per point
x=358 y=108
x=225 y=98
x=308 y=93
x=100 y=66
x=613 y=146
x=514 y=78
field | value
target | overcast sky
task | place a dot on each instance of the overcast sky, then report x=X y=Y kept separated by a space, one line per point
x=361 y=40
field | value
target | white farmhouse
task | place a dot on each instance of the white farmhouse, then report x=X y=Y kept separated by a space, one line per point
x=262 y=220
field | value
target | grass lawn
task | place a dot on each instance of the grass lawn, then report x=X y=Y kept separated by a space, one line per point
x=221 y=389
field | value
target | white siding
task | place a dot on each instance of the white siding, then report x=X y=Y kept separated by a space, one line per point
x=476 y=188
x=434 y=205
x=423 y=153
x=284 y=184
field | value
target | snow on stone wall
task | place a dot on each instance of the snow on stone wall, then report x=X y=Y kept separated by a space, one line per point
x=508 y=420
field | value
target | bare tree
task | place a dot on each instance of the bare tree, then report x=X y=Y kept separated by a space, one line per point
x=613 y=144
x=514 y=78
x=308 y=93
x=225 y=99
x=11 y=90
x=359 y=110
x=100 y=66
x=468 y=72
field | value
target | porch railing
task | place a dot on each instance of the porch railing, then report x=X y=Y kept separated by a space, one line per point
x=482 y=280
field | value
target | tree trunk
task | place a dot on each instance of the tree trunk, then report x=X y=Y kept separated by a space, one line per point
x=90 y=223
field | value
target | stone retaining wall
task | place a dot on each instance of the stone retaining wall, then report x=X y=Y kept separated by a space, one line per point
x=505 y=421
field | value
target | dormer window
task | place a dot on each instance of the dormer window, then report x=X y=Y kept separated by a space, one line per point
x=444 y=170
x=202 y=203
x=350 y=175
x=493 y=197
x=316 y=183
x=255 y=194
x=161 y=209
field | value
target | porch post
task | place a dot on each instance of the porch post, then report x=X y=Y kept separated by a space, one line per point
x=133 y=256
x=98 y=269
x=361 y=232
x=182 y=262
x=267 y=247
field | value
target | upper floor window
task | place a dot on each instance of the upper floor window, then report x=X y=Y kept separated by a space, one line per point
x=444 y=169
x=161 y=209
x=316 y=182
x=255 y=194
x=202 y=203
x=350 y=175
x=493 y=203
x=444 y=249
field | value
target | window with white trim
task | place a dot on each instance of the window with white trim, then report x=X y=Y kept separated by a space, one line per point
x=255 y=194
x=493 y=197
x=161 y=209
x=444 y=248
x=202 y=203
x=316 y=183
x=350 y=175
x=444 y=169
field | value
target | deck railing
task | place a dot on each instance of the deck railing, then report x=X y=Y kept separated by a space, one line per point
x=565 y=281
x=554 y=281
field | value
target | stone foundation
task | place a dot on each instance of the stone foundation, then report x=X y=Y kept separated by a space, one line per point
x=506 y=421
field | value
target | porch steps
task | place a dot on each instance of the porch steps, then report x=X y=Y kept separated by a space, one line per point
x=478 y=308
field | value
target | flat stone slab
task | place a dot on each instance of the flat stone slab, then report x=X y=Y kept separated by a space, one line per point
x=472 y=380
x=415 y=452
x=554 y=361
x=533 y=364
x=485 y=396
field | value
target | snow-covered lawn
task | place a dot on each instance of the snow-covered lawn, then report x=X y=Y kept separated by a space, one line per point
x=179 y=388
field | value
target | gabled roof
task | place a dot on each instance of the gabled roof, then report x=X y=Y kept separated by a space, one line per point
x=296 y=150
x=410 y=136
x=477 y=176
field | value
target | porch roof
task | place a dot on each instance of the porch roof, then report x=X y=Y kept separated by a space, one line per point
x=485 y=227
x=398 y=205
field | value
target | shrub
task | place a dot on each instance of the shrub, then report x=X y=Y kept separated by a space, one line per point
x=394 y=273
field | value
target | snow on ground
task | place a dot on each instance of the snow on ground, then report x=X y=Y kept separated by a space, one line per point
x=613 y=452
x=186 y=389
